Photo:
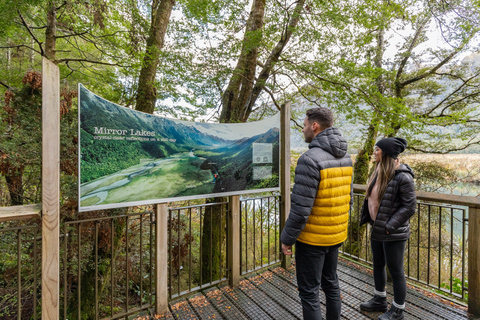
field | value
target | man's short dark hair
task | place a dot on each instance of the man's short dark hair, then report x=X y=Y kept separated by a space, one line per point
x=321 y=115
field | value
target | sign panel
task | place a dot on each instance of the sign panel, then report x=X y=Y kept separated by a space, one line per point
x=132 y=158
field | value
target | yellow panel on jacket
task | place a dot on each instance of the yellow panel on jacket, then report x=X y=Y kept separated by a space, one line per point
x=328 y=222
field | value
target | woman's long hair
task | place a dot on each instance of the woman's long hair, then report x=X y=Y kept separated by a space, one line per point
x=383 y=173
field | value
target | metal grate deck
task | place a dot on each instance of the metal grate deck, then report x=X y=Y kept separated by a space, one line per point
x=273 y=295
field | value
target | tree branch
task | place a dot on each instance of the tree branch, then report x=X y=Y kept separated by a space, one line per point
x=408 y=53
x=20 y=46
x=31 y=33
x=439 y=65
x=5 y=85
x=465 y=82
x=90 y=61
x=274 y=56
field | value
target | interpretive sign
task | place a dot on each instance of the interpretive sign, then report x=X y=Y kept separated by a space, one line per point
x=132 y=158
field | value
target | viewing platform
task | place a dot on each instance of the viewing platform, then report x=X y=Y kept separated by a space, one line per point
x=273 y=294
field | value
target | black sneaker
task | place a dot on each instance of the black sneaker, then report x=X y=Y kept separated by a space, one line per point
x=377 y=303
x=393 y=314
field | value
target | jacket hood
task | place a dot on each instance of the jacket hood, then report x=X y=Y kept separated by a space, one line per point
x=332 y=141
x=405 y=168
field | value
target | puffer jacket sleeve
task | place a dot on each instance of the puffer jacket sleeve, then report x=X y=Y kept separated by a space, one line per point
x=307 y=179
x=408 y=201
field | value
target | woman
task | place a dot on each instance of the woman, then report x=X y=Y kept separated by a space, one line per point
x=389 y=203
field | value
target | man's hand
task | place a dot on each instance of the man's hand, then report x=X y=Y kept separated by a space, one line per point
x=287 y=250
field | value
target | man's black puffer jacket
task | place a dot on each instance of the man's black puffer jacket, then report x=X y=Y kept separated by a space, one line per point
x=396 y=207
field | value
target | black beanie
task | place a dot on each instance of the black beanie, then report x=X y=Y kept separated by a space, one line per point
x=392 y=146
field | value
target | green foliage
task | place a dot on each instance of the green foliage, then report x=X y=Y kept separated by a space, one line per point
x=457 y=286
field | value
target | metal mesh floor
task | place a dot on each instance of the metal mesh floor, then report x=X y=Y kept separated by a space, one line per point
x=273 y=295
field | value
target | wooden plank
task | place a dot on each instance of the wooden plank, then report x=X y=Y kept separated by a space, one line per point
x=50 y=190
x=435 y=197
x=25 y=212
x=161 y=258
x=285 y=201
x=474 y=261
x=234 y=241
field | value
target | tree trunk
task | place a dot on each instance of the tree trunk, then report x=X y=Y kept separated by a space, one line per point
x=361 y=167
x=14 y=179
x=362 y=161
x=243 y=89
x=243 y=78
x=50 y=32
x=147 y=93
x=213 y=237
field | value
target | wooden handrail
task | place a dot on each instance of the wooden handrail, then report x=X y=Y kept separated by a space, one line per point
x=469 y=201
x=30 y=211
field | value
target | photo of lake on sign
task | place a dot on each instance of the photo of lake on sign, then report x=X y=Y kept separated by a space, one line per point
x=132 y=158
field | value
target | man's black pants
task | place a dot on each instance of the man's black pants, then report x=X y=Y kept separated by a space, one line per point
x=317 y=267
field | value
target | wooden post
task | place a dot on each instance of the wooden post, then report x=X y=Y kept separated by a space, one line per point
x=474 y=260
x=285 y=173
x=50 y=190
x=234 y=241
x=161 y=258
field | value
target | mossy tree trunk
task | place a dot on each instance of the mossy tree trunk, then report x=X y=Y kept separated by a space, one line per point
x=213 y=238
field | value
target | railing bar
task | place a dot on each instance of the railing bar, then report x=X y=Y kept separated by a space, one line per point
x=96 y=270
x=261 y=231
x=35 y=262
x=16 y=229
x=428 y=246
x=246 y=235
x=151 y=256
x=349 y=230
x=463 y=254
x=126 y=263
x=105 y=218
x=79 y=301
x=277 y=245
x=440 y=248
x=201 y=245
x=141 y=259
x=203 y=205
x=178 y=256
x=19 y=274
x=254 y=236
x=190 y=250
x=366 y=234
x=408 y=257
x=211 y=245
x=241 y=236
x=451 y=250
x=65 y=273
x=227 y=249
x=170 y=273
x=268 y=228
x=418 y=241
x=222 y=208
x=112 y=263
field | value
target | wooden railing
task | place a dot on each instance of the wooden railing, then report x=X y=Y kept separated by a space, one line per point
x=234 y=247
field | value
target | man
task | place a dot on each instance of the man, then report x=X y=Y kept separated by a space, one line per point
x=318 y=219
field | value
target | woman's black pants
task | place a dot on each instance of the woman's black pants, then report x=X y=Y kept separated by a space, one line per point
x=390 y=253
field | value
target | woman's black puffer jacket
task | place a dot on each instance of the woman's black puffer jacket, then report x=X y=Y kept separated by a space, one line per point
x=396 y=207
